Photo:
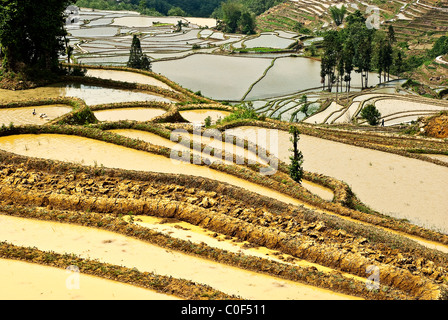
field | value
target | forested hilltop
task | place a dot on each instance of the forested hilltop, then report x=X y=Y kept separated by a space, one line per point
x=193 y=8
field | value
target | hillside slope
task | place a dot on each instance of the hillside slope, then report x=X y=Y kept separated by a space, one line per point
x=417 y=24
x=436 y=126
x=407 y=16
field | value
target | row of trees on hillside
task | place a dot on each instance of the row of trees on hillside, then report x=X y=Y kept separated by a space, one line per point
x=239 y=16
x=361 y=49
x=440 y=47
x=197 y=8
x=257 y=7
x=234 y=17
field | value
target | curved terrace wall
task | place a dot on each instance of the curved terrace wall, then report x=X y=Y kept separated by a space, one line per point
x=274 y=224
x=259 y=235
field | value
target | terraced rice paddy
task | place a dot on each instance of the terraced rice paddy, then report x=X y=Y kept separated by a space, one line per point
x=411 y=20
x=126 y=77
x=112 y=248
x=395 y=109
x=92 y=95
x=440 y=157
x=199 y=116
x=133 y=114
x=374 y=177
x=27 y=281
x=282 y=78
x=218 y=77
x=174 y=144
x=88 y=152
x=269 y=79
x=102 y=36
x=109 y=198
x=115 y=249
x=269 y=41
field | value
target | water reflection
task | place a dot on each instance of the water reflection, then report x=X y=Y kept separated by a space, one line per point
x=25 y=115
x=92 y=95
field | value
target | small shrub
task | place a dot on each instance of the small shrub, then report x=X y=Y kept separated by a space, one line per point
x=371 y=114
x=208 y=121
x=79 y=71
x=243 y=111
x=83 y=117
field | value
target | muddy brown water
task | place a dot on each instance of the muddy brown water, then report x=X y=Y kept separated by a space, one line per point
x=160 y=141
x=25 y=116
x=92 y=152
x=397 y=186
x=116 y=249
x=132 y=114
x=127 y=77
x=196 y=234
x=29 y=281
x=322 y=192
x=199 y=116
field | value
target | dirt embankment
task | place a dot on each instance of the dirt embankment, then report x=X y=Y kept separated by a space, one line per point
x=163 y=284
x=96 y=196
x=320 y=241
x=436 y=126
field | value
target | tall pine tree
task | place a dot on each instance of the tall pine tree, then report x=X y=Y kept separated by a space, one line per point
x=295 y=168
x=137 y=59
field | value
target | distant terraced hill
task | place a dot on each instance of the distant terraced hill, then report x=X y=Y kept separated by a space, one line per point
x=417 y=22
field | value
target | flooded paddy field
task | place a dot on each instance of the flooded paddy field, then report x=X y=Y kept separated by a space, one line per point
x=225 y=147
x=91 y=94
x=395 y=108
x=91 y=152
x=258 y=77
x=37 y=115
x=440 y=157
x=199 y=116
x=269 y=40
x=133 y=114
x=394 y=185
x=99 y=37
x=217 y=77
x=226 y=226
x=112 y=248
x=28 y=281
x=120 y=250
x=126 y=77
